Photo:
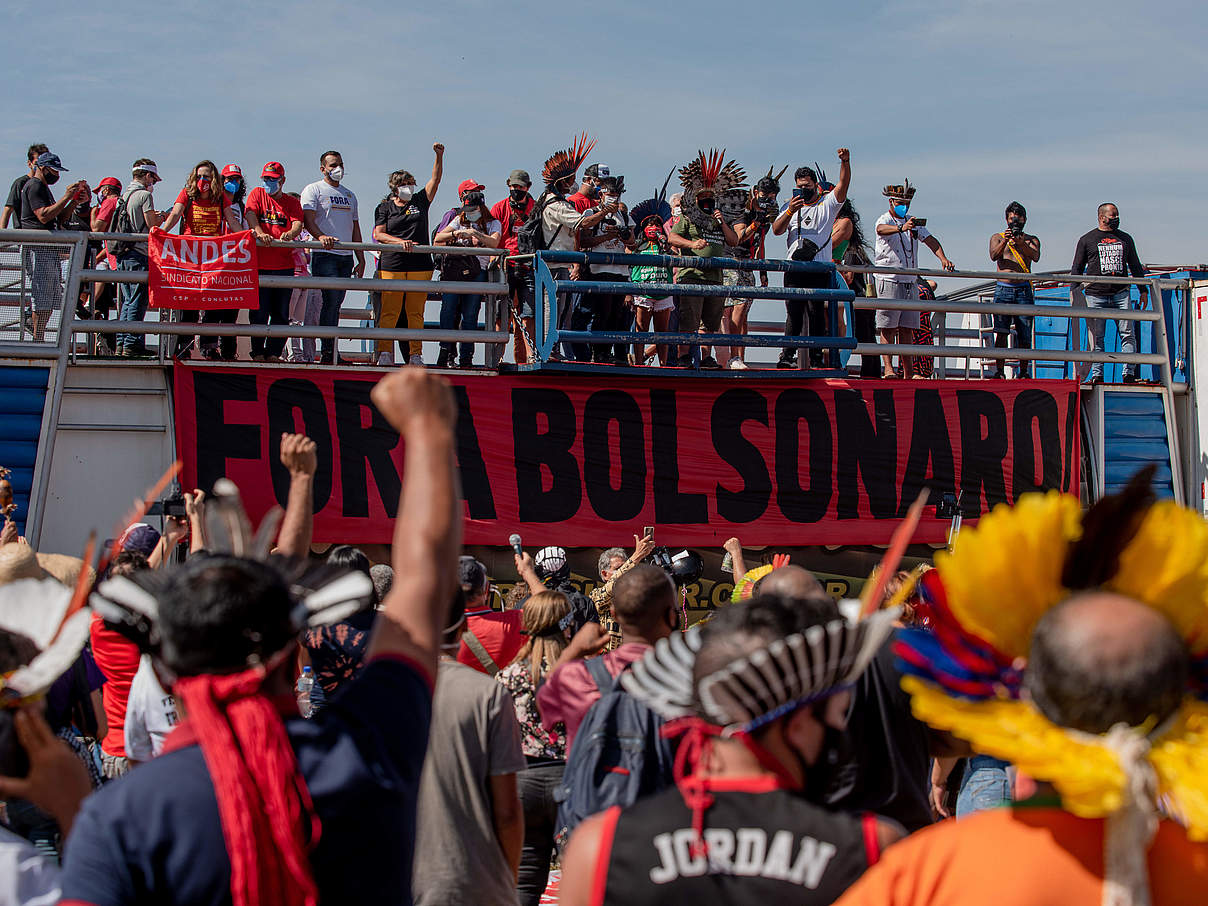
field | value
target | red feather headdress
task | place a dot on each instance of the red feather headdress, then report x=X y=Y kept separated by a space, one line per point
x=566 y=163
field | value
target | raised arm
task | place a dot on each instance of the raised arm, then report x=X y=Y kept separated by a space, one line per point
x=297 y=527
x=844 y=175
x=427 y=533
x=438 y=169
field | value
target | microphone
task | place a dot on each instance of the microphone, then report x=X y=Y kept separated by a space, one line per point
x=514 y=541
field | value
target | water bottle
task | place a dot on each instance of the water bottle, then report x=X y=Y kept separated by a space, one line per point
x=306 y=682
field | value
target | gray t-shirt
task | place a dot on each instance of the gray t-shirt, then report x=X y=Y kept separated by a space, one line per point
x=474 y=736
x=335 y=211
x=138 y=202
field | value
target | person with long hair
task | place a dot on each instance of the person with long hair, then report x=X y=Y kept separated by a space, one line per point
x=401 y=222
x=472 y=225
x=848 y=246
x=201 y=209
x=544 y=749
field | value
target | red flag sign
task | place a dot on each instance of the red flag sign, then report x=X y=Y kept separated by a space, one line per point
x=203 y=272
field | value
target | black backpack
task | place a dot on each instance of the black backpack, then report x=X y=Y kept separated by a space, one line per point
x=120 y=223
x=619 y=754
x=530 y=237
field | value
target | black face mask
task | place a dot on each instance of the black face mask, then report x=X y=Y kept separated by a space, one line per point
x=50 y=177
x=518 y=194
x=1113 y=223
x=834 y=759
x=706 y=205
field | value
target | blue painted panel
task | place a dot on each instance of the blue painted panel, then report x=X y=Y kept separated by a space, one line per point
x=21 y=427
x=15 y=454
x=1134 y=404
x=20 y=376
x=22 y=401
x=1138 y=451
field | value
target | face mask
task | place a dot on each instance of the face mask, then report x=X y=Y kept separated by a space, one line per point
x=518 y=194
x=203 y=185
x=592 y=191
x=899 y=210
x=677 y=210
x=50 y=177
x=231 y=186
x=473 y=216
x=609 y=199
x=834 y=761
x=272 y=186
x=404 y=193
x=766 y=204
x=1113 y=223
x=706 y=205
x=810 y=194
x=335 y=174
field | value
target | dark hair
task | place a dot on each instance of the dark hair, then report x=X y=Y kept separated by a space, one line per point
x=348 y=557
x=16 y=650
x=136 y=167
x=767 y=185
x=1016 y=208
x=128 y=562
x=1077 y=686
x=803 y=172
x=1099 y=210
x=742 y=628
x=642 y=597
x=327 y=154
x=857 y=233
x=34 y=151
x=237 y=197
x=219 y=614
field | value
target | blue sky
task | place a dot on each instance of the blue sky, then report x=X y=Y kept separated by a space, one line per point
x=1060 y=105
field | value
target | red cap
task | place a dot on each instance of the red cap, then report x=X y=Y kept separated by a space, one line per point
x=108 y=181
x=469 y=185
x=273 y=170
x=231 y=170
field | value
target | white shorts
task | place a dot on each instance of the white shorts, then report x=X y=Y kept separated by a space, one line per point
x=892 y=289
x=664 y=304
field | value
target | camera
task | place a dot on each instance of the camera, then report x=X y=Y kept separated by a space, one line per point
x=683 y=568
x=920 y=221
x=1015 y=229
x=174 y=506
x=948 y=507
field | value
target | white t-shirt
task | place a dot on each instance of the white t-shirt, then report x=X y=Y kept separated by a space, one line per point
x=813 y=222
x=335 y=211
x=559 y=220
x=150 y=714
x=898 y=249
x=489 y=228
x=27 y=878
x=613 y=246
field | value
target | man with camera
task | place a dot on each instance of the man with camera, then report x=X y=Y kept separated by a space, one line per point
x=605 y=228
x=898 y=237
x=1014 y=251
x=512 y=212
x=807 y=218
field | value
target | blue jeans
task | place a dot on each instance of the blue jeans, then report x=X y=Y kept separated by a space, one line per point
x=1096 y=328
x=324 y=264
x=133 y=297
x=1013 y=294
x=460 y=312
x=985 y=785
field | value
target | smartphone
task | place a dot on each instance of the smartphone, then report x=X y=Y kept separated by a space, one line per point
x=799 y=193
x=920 y=221
x=648 y=531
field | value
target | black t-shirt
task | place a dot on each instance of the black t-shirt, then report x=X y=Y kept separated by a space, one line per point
x=1107 y=253
x=751 y=245
x=35 y=195
x=890 y=773
x=14 y=193
x=407 y=222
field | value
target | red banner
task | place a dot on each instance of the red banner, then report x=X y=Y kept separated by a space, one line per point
x=588 y=461
x=202 y=272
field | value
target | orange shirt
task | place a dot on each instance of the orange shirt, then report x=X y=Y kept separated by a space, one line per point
x=1022 y=857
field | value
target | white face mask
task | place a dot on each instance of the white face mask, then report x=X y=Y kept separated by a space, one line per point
x=335 y=174
x=677 y=210
x=473 y=216
x=610 y=199
x=405 y=193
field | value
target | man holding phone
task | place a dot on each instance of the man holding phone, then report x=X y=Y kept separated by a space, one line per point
x=807 y=218
x=898 y=237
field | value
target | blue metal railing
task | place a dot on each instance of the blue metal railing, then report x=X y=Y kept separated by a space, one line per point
x=549 y=334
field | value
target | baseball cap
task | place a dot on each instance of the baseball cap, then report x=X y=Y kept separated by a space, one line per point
x=108 y=181
x=519 y=178
x=599 y=171
x=51 y=161
x=273 y=169
x=138 y=537
x=469 y=185
x=471 y=574
x=231 y=170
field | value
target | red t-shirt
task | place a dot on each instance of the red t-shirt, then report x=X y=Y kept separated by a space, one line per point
x=499 y=634
x=581 y=202
x=276 y=216
x=510 y=220
x=104 y=213
x=202 y=217
x=117 y=657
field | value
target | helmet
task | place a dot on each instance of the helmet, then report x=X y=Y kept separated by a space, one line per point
x=551 y=563
x=686 y=568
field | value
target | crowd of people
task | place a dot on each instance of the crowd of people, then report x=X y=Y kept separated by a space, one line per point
x=715 y=215
x=218 y=716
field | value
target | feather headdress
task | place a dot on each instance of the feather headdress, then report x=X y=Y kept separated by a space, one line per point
x=708 y=174
x=905 y=191
x=654 y=208
x=566 y=163
x=773 y=178
x=986 y=598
